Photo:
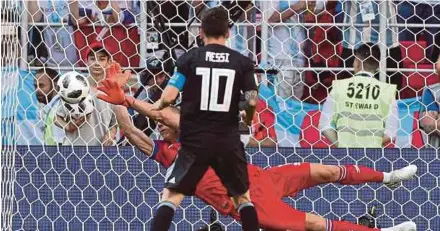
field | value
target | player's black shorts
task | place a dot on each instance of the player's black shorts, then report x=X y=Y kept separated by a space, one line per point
x=229 y=163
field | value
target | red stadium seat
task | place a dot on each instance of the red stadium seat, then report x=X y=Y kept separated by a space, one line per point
x=310 y=135
x=120 y=42
x=415 y=82
x=264 y=122
x=413 y=52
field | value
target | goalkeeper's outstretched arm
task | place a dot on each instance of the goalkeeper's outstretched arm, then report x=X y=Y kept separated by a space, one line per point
x=133 y=134
x=113 y=93
x=169 y=116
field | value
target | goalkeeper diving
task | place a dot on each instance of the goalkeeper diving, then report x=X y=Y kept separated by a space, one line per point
x=267 y=186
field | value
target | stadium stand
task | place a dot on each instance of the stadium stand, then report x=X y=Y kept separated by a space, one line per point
x=106 y=188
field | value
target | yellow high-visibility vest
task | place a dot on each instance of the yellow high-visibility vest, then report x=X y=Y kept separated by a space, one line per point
x=361 y=107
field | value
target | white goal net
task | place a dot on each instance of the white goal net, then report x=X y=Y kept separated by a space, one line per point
x=91 y=178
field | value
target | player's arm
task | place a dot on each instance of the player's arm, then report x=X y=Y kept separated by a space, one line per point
x=133 y=134
x=251 y=98
x=113 y=93
x=250 y=90
x=168 y=116
x=175 y=84
x=169 y=95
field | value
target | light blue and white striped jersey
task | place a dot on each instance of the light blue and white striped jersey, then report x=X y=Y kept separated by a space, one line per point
x=19 y=108
x=354 y=36
x=285 y=42
x=58 y=40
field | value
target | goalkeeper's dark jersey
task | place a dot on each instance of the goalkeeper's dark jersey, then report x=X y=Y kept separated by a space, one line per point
x=212 y=79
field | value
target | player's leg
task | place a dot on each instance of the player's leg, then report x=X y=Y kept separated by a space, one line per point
x=274 y=214
x=358 y=174
x=292 y=178
x=181 y=179
x=165 y=210
x=231 y=167
x=247 y=211
x=318 y=223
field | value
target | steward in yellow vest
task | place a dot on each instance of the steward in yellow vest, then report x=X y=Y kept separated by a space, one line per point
x=360 y=111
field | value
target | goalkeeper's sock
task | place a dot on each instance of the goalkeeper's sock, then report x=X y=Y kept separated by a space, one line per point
x=357 y=174
x=164 y=216
x=248 y=216
x=346 y=226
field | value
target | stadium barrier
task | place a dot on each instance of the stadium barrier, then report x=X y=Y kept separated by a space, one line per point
x=113 y=188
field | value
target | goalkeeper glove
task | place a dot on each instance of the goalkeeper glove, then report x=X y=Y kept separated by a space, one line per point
x=114 y=94
x=114 y=72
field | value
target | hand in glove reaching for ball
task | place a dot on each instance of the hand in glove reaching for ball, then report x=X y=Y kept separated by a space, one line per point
x=114 y=72
x=114 y=94
x=113 y=85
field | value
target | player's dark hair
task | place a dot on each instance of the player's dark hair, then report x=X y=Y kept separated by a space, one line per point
x=369 y=55
x=53 y=74
x=215 y=22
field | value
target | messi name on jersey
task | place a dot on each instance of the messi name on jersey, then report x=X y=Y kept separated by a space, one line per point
x=217 y=57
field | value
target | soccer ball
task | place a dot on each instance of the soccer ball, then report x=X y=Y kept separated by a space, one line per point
x=73 y=87
x=80 y=109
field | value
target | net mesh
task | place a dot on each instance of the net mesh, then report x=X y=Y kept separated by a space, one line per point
x=95 y=180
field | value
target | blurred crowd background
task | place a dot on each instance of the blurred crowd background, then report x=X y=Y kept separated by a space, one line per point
x=299 y=47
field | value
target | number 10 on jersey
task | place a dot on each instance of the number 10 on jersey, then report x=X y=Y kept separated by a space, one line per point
x=209 y=98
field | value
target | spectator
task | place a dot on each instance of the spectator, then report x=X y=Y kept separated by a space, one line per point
x=421 y=12
x=98 y=127
x=45 y=85
x=98 y=11
x=154 y=78
x=354 y=36
x=240 y=37
x=285 y=47
x=110 y=26
x=153 y=81
x=356 y=109
x=19 y=112
x=430 y=108
x=61 y=50
x=430 y=121
x=98 y=59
